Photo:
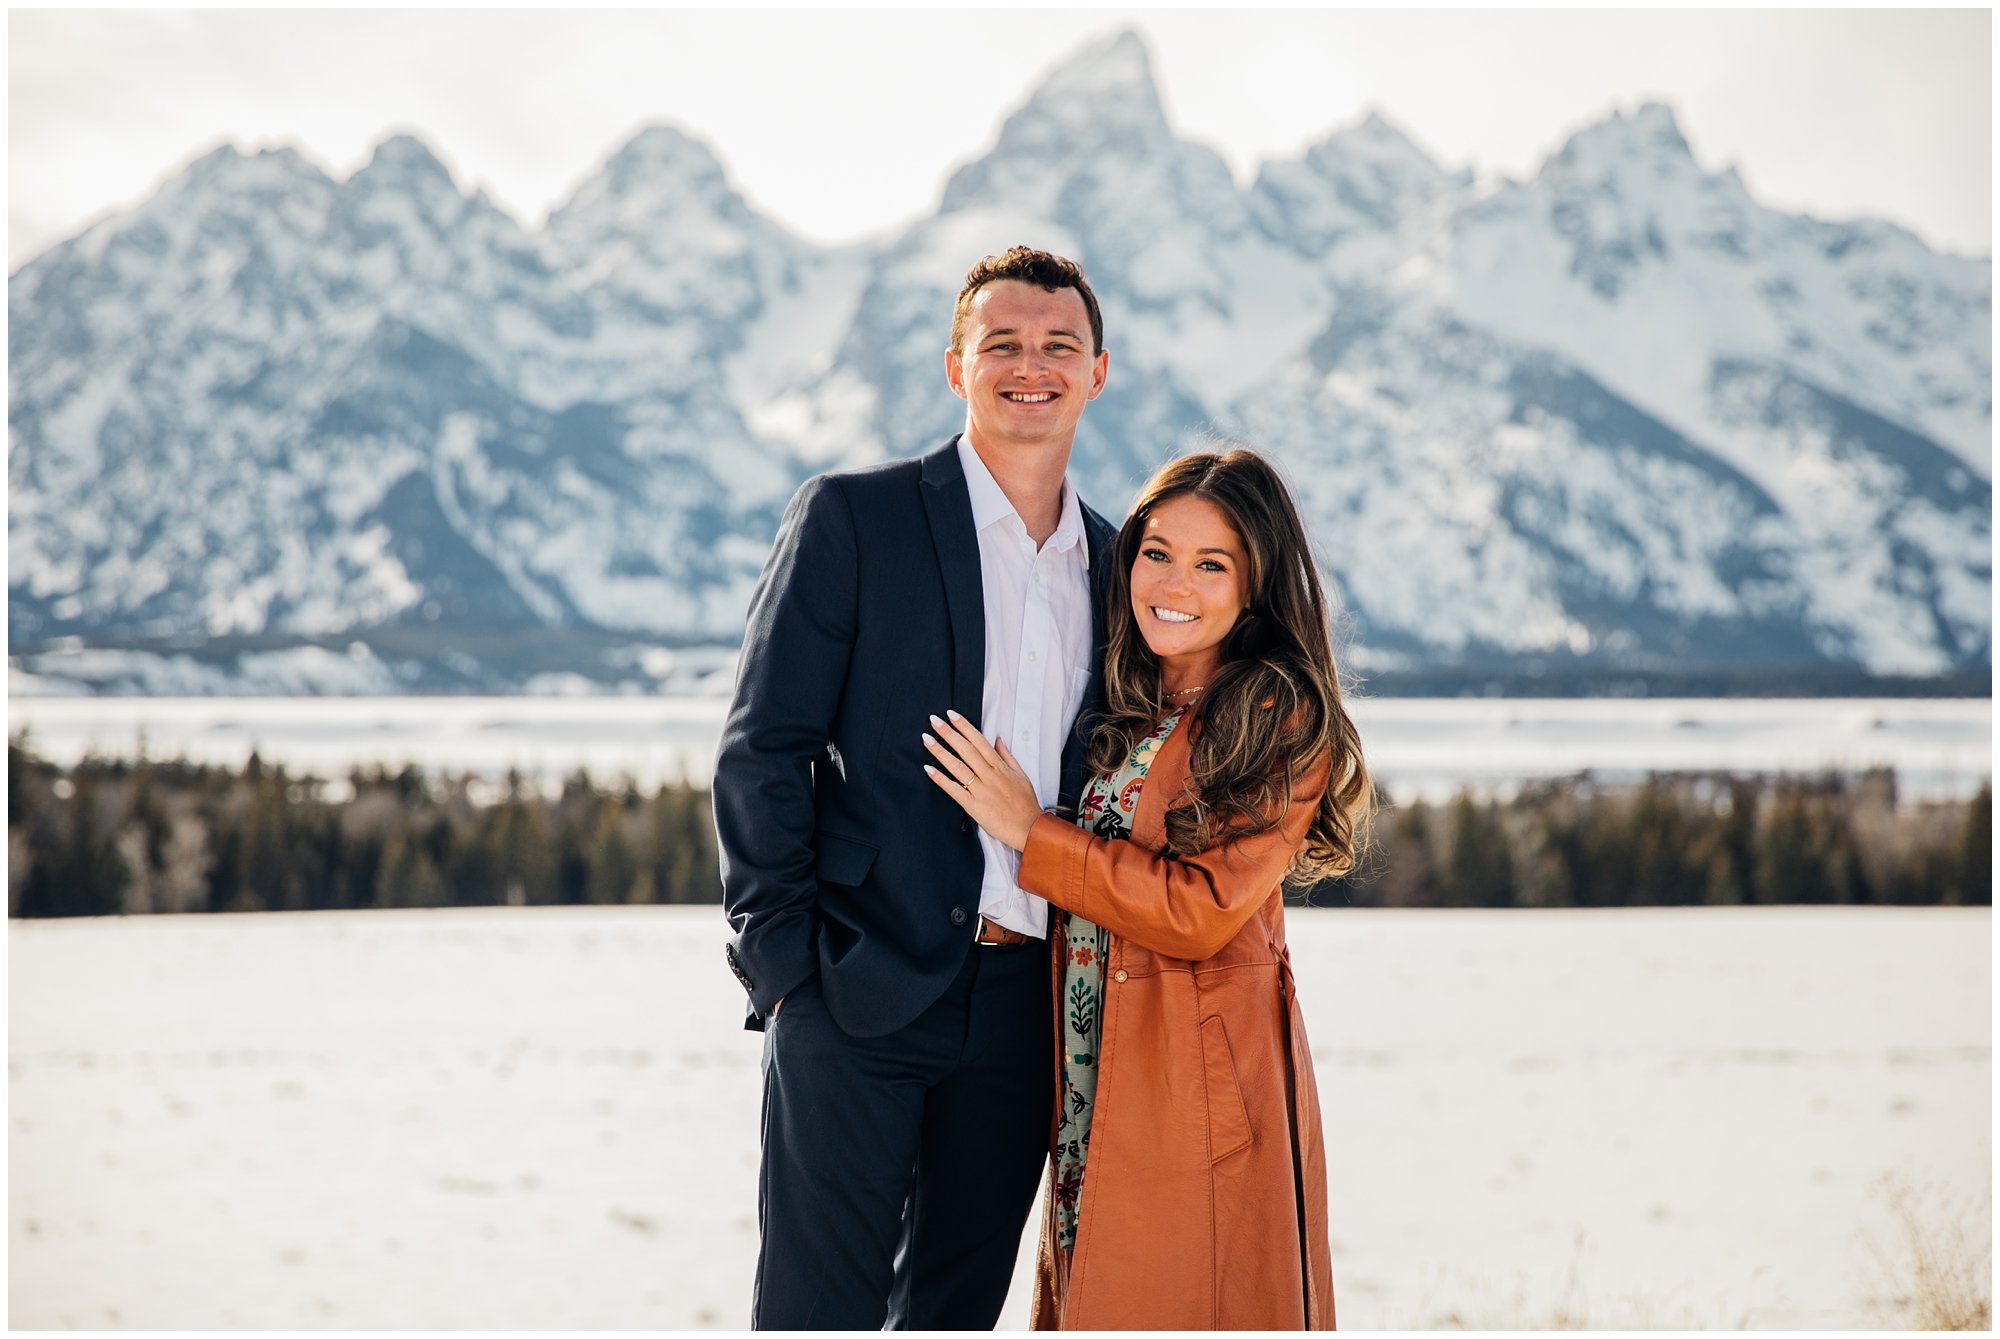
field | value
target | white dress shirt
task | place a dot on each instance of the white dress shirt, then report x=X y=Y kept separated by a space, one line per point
x=1037 y=661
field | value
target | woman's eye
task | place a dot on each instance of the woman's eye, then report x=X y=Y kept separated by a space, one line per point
x=1154 y=555
x=1210 y=565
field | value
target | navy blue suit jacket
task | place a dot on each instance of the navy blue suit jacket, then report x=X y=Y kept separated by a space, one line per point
x=839 y=856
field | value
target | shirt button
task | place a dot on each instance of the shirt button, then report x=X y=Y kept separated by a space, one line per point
x=958 y=916
x=1119 y=976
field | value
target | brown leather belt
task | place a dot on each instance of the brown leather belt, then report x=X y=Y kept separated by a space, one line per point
x=991 y=932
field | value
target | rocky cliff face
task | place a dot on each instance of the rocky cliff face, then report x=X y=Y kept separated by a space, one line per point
x=1618 y=416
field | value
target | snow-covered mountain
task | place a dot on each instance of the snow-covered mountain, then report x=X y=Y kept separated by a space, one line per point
x=1617 y=416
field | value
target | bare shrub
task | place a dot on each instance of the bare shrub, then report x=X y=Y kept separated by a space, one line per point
x=1938 y=1270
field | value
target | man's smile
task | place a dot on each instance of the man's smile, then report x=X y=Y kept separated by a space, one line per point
x=1029 y=397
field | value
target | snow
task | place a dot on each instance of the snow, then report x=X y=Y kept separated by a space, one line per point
x=313 y=669
x=1277 y=303
x=547 y=1118
x=76 y=423
x=302 y=670
x=1359 y=181
x=1632 y=180
x=793 y=340
x=1359 y=312
x=1415 y=746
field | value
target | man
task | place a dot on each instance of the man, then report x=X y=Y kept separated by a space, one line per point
x=899 y=975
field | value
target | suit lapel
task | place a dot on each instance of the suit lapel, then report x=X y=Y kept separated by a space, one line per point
x=948 y=506
x=1099 y=534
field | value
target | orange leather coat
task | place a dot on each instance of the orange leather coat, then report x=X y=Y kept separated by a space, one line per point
x=1204 y=1195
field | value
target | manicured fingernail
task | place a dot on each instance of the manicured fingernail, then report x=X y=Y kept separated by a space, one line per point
x=954 y=715
x=935 y=721
x=932 y=742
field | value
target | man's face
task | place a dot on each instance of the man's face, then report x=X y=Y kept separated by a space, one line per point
x=1026 y=369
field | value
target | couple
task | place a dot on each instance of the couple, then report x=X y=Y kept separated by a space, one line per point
x=1005 y=801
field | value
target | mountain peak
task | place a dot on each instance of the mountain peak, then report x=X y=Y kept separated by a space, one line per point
x=228 y=163
x=1657 y=119
x=662 y=154
x=219 y=159
x=403 y=157
x=1105 y=91
x=1095 y=113
x=1362 y=178
x=660 y=178
x=1117 y=64
x=1652 y=132
x=1373 y=139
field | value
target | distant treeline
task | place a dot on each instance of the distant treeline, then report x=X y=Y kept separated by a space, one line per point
x=1679 y=839
x=106 y=837
x=118 y=836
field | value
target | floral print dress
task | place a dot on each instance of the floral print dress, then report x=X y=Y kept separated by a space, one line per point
x=1108 y=805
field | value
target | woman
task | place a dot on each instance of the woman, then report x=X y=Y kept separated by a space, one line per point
x=1188 y=1189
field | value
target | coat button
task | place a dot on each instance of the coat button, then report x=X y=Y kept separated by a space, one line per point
x=1119 y=976
x=965 y=825
x=958 y=916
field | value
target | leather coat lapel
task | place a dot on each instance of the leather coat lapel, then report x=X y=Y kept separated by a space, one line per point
x=1166 y=779
x=948 y=505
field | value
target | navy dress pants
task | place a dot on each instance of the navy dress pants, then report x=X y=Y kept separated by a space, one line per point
x=898 y=1171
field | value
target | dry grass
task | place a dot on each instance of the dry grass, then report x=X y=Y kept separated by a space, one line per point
x=1938 y=1267
x=1561 y=1302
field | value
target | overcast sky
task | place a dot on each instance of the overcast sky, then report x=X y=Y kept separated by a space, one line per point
x=844 y=123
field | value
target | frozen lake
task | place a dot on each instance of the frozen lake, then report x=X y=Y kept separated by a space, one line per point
x=547 y=1118
x=1418 y=746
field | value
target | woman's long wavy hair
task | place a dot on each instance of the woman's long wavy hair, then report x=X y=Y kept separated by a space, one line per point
x=1273 y=710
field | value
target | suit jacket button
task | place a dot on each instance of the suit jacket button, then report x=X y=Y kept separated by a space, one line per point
x=958 y=916
x=965 y=825
x=1119 y=976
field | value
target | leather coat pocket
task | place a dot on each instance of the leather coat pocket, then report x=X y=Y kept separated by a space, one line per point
x=1228 y=1119
x=842 y=860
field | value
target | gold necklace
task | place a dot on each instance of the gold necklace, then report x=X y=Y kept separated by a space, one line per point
x=1185 y=692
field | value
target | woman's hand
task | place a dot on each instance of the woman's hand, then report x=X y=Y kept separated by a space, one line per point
x=986 y=781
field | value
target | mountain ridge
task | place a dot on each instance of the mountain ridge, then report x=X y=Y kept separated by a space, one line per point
x=1618 y=416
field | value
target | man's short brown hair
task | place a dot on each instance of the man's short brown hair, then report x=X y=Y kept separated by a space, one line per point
x=1030 y=266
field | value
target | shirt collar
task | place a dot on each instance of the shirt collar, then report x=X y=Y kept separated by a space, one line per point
x=989 y=504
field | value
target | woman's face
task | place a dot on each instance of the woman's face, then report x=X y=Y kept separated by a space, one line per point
x=1190 y=583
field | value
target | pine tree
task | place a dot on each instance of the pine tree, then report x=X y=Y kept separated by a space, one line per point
x=1975 y=851
x=1480 y=870
x=613 y=868
x=1787 y=870
x=409 y=877
x=90 y=879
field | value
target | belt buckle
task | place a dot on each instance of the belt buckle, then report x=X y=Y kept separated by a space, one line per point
x=992 y=934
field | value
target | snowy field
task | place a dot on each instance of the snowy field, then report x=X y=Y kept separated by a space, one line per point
x=548 y=1118
x=1419 y=746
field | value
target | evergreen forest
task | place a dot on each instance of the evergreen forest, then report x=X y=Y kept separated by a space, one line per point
x=114 y=837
